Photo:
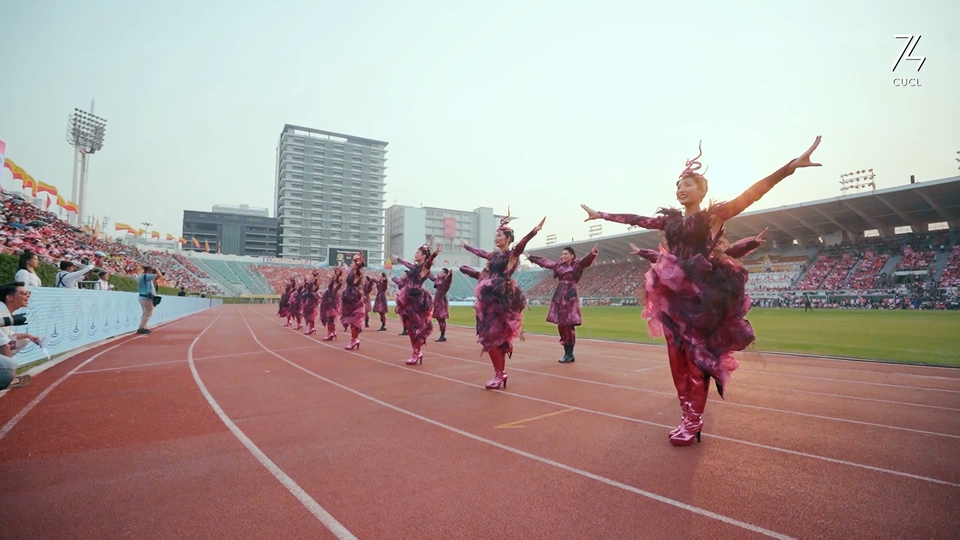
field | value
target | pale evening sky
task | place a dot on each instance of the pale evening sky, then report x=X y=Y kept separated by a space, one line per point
x=540 y=105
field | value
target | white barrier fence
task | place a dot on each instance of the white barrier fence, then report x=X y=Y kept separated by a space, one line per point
x=72 y=318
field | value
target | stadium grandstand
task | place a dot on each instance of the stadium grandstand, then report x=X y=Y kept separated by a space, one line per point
x=891 y=248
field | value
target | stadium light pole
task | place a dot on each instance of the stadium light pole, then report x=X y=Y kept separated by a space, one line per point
x=958 y=159
x=857 y=180
x=85 y=133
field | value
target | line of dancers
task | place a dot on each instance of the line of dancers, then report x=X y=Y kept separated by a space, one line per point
x=345 y=298
x=695 y=291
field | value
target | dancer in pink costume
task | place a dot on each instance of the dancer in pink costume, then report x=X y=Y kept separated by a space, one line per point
x=380 y=302
x=295 y=308
x=400 y=282
x=414 y=304
x=368 y=285
x=477 y=275
x=354 y=307
x=565 y=305
x=696 y=295
x=441 y=306
x=330 y=305
x=284 y=309
x=500 y=300
x=309 y=299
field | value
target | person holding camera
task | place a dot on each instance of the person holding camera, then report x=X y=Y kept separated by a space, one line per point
x=67 y=278
x=146 y=285
x=13 y=296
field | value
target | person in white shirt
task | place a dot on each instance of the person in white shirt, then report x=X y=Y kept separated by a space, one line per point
x=67 y=278
x=13 y=296
x=27 y=269
x=103 y=284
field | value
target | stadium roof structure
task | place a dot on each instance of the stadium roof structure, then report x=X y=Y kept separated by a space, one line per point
x=915 y=205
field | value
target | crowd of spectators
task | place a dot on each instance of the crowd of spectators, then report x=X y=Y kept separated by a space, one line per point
x=856 y=266
x=24 y=227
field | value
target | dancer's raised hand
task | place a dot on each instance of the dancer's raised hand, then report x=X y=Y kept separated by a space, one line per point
x=539 y=226
x=759 y=237
x=804 y=159
x=633 y=249
x=594 y=251
x=591 y=213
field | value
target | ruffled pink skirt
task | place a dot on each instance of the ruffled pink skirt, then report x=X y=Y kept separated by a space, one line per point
x=704 y=303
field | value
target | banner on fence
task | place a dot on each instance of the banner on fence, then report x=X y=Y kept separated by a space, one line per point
x=72 y=318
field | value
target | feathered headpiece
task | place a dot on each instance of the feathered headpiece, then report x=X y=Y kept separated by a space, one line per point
x=358 y=258
x=692 y=166
x=426 y=246
x=504 y=220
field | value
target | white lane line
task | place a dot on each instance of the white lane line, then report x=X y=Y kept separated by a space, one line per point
x=308 y=502
x=568 y=468
x=655 y=424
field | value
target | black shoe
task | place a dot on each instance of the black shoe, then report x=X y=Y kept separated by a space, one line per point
x=442 y=337
x=568 y=355
x=383 y=328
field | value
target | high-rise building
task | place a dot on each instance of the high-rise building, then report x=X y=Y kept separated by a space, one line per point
x=408 y=228
x=243 y=209
x=245 y=231
x=329 y=194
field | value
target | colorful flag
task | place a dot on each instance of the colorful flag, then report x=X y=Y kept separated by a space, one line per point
x=43 y=187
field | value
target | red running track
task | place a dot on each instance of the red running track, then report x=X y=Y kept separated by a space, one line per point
x=228 y=425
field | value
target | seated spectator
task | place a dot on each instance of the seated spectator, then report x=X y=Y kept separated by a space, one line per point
x=13 y=296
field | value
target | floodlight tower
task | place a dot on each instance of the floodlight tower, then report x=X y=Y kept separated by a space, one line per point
x=85 y=133
x=857 y=180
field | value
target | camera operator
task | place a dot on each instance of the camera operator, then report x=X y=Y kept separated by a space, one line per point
x=13 y=296
x=146 y=285
x=67 y=278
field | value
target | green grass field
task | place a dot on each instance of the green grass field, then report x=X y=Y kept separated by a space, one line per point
x=916 y=337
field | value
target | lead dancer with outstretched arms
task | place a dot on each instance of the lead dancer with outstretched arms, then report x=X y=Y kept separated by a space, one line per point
x=695 y=288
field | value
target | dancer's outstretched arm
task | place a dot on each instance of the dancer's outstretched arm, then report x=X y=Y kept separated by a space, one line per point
x=742 y=248
x=542 y=262
x=427 y=264
x=522 y=244
x=467 y=271
x=408 y=264
x=729 y=210
x=626 y=219
x=647 y=254
x=477 y=251
x=590 y=257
